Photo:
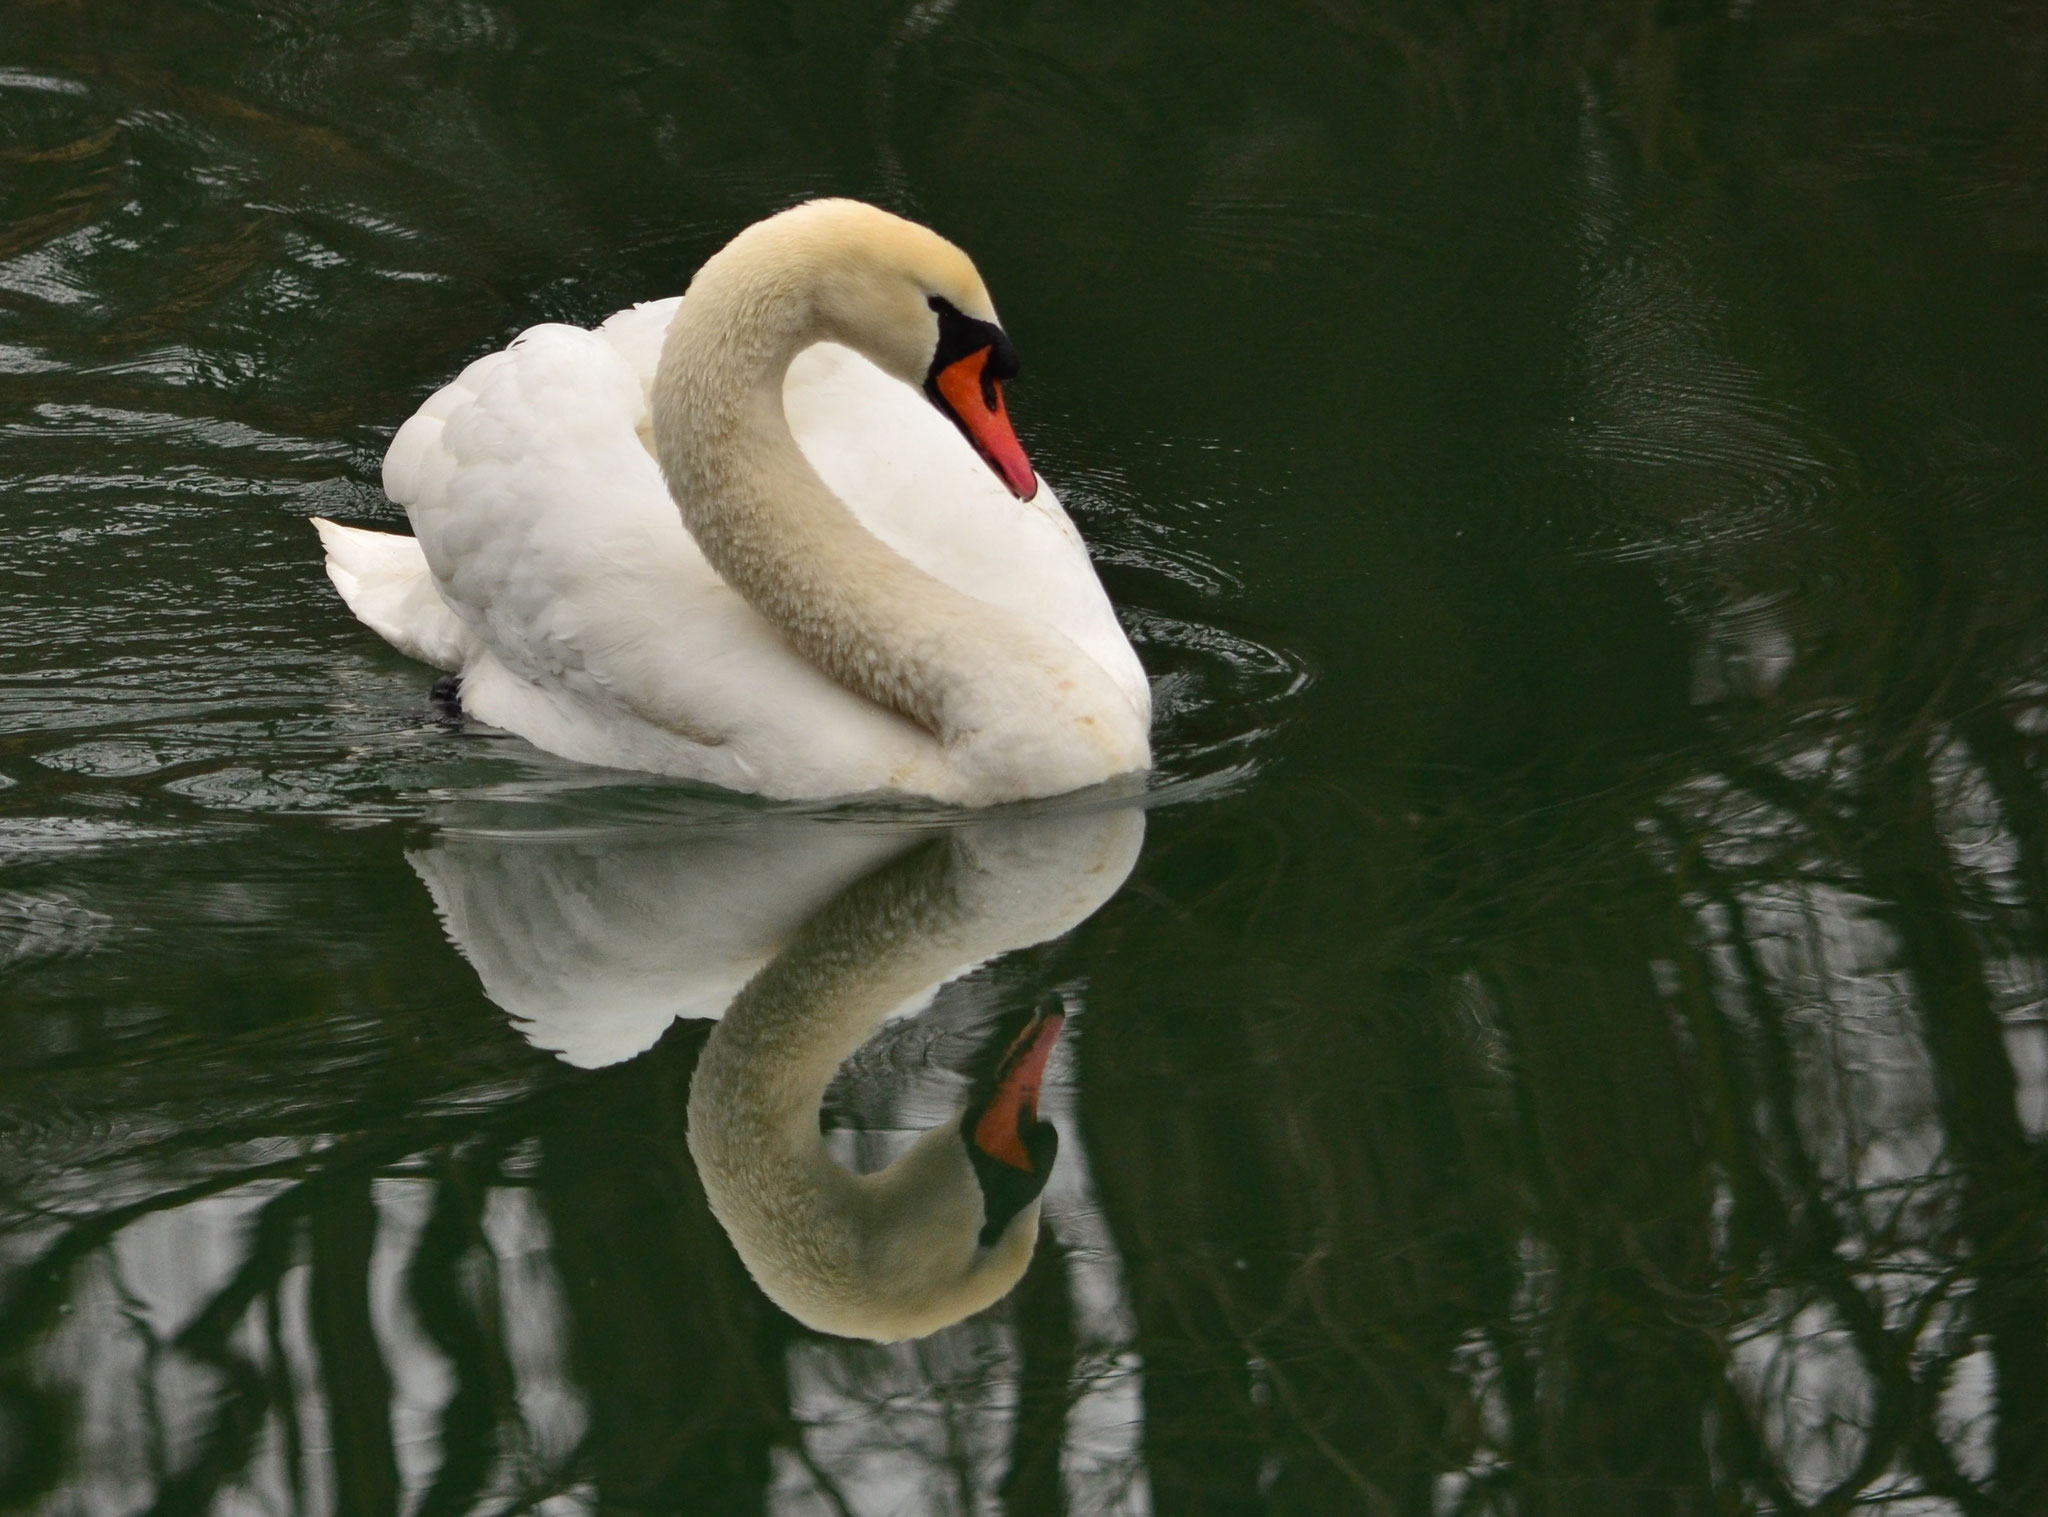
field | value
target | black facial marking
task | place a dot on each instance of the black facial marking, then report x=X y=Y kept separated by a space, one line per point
x=1006 y=1191
x=960 y=335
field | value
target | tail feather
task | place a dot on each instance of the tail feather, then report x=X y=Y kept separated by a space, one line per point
x=383 y=577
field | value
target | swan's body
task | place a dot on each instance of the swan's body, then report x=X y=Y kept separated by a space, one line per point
x=725 y=538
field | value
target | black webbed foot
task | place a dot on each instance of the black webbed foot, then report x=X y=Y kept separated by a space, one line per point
x=446 y=699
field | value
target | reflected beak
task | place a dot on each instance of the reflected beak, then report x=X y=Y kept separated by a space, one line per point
x=1005 y=1125
x=972 y=399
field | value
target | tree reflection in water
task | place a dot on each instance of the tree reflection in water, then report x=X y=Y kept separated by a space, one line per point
x=1700 y=1166
x=1722 y=1181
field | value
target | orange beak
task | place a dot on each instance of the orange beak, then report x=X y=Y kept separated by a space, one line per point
x=973 y=398
x=1012 y=1112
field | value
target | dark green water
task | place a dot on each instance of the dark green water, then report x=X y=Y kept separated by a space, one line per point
x=1574 y=1040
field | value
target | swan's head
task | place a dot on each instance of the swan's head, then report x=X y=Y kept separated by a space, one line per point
x=912 y=303
x=945 y=1231
x=1009 y=1148
x=954 y=1221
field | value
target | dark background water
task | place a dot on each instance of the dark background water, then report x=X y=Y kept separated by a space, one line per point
x=1574 y=1041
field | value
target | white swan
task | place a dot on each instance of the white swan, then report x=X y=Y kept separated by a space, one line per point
x=819 y=589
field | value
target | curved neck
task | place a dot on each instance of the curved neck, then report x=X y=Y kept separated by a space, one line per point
x=774 y=531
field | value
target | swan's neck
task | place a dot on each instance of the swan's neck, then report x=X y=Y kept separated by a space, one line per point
x=772 y=529
x=1013 y=702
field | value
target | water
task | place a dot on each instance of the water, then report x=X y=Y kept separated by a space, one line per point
x=1573 y=1039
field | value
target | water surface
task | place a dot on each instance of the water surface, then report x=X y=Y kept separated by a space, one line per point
x=1573 y=1040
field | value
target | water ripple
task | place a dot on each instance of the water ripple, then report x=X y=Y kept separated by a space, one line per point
x=51 y=926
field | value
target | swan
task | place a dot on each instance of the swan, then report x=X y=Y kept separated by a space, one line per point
x=776 y=534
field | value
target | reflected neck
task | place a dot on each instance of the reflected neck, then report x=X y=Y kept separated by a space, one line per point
x=764 y=1071
x=895 y=1253
x=888 y=1255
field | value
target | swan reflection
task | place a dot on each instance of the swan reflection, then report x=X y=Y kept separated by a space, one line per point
x=805 y=936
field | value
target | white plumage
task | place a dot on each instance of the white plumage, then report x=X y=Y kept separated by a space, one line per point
x=551 y=568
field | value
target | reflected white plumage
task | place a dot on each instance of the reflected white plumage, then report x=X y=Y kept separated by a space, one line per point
x=595 y=943
x=804 y=935
x=726 y=537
